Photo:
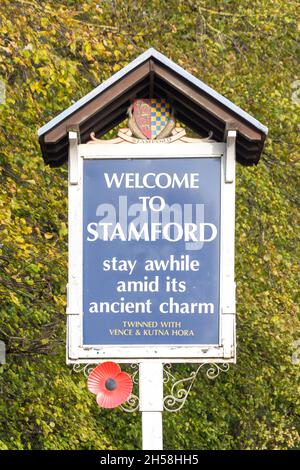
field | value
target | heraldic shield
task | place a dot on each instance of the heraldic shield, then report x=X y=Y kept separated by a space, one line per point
x=151 y=116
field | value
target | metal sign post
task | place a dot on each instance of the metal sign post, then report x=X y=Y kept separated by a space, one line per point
x=151 y=404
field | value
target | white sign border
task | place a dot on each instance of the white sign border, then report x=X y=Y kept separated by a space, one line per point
x=225 y=351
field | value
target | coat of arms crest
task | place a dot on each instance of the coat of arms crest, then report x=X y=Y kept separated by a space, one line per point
x=151 y=118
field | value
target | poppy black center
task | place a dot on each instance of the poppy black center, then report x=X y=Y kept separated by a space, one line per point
x=110 y=384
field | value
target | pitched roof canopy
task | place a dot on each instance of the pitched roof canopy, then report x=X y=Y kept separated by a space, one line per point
x=153 y=75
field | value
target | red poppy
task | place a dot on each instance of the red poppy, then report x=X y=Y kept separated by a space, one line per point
x=111 y=386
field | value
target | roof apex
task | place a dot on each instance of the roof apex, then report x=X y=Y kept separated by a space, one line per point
x=147 y=55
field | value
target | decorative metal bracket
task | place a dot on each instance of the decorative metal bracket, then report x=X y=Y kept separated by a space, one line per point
x=180 y=388
x=86 y=369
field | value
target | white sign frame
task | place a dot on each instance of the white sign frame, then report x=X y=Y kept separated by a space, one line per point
x=226 y=350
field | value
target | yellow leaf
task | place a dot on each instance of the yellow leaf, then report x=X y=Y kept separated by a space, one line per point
x=48 y=235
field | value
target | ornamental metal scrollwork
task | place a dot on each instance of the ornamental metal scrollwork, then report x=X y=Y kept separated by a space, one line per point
x=133 y=402
x=85 y=368
x=181 y=388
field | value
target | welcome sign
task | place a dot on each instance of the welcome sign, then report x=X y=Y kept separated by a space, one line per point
x=151 y=251
x=151 y=231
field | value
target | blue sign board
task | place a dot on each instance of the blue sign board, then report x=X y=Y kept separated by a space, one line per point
x=151 y=251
